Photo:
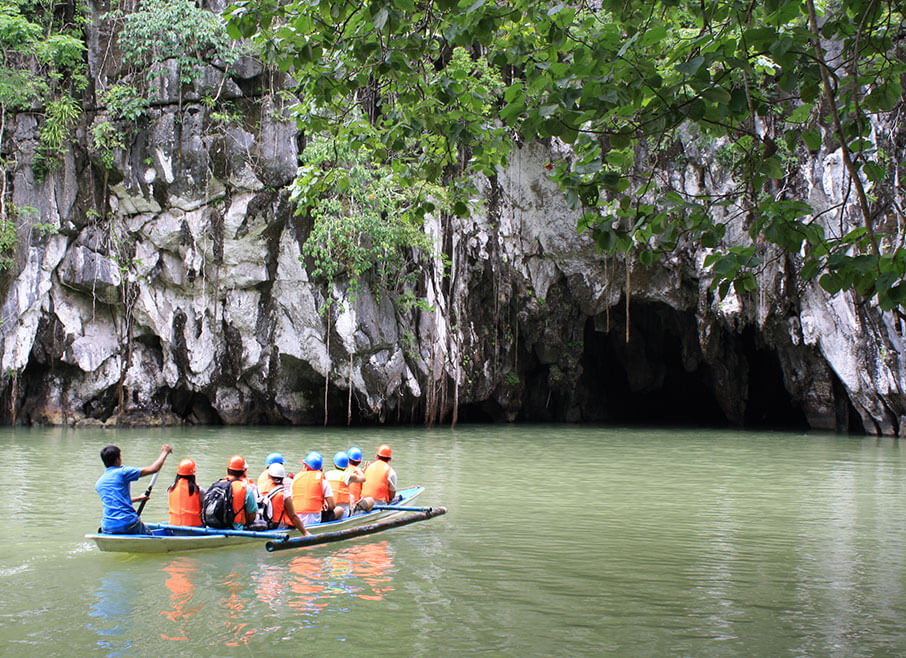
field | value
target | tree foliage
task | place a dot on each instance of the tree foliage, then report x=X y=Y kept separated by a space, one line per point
x=449 y=87
x=42 y=69
x=364 y=220
x=162 y=30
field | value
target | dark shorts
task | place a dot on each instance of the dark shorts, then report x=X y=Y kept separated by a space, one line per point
x=136 y=528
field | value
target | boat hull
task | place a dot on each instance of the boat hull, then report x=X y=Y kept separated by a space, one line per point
x=166 y=540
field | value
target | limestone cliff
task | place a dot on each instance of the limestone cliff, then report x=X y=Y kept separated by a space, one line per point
x=169 y=288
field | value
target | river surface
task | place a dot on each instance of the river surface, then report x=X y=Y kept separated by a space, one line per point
x=559 y=540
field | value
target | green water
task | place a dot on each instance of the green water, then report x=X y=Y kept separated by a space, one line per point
x=558 y=541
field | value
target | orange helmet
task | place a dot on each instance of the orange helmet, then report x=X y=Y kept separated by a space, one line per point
x=384 y=451
x=186 y=467
x=237 y=463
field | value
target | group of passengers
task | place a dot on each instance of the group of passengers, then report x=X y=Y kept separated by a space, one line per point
x=278 y=499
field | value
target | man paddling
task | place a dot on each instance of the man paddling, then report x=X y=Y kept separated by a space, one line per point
x=120 y=518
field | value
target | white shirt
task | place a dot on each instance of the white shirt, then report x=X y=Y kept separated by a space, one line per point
x=391 y=478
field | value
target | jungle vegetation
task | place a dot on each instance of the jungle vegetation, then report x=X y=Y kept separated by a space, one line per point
x=437 y=91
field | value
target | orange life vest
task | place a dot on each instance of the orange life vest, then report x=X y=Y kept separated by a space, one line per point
x=274 y=511
x=265 y=483
x=239 y=488
x=376 y=485
x=341 y=493
x=185 y=509
x=355 y=488
x=308 y=492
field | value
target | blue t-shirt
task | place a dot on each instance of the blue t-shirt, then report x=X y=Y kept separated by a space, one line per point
x=113 y=488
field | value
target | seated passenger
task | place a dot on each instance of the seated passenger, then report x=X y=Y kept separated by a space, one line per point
x=380 y=481
x=340 y=479
x=356 y=468
x=244 y=508
x=273 y=507
x=265 y=482
x=310 y=493
x=185 y=497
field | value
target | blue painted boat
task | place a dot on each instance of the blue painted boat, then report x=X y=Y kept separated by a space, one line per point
x=165 y=538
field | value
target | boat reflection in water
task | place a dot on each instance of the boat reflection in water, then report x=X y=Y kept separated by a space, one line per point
x=237 y=618
x=179 y=581
x=309 y=583
x=299 y=588
x=112 y=609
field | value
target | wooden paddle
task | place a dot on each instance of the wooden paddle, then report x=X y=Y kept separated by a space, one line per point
x=148 y=493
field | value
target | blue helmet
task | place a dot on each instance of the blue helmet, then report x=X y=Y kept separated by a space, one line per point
x=313 y=460
x=355 y=454
x=341 y=460
x=273 y=458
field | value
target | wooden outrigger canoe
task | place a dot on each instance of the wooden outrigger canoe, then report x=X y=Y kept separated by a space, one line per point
x=165 y=538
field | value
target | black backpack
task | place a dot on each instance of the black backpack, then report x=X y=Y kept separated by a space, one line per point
x=218 y=506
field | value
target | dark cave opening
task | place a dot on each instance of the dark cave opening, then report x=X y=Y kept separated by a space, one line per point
x=769 y=405
x=660 y=377
x=193 y=407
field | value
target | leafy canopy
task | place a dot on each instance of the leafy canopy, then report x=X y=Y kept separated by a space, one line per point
x=448 y=88
x=364 y=220
x=162 y=30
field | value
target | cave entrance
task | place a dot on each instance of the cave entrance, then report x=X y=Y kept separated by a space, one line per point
x=660 y=376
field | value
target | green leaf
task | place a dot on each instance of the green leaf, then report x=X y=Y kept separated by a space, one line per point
x=773 y=168
x=572 y=199
x=874 y=171
x=831 y=283
x=513 y=92
x=802 y=113
x=512 y=110
x=380 y=18
x=812 y=139
x=691 y=66
x=620 y=158
x=855 y=235
x=809 y=270
x=717 y=95
x=653 y=36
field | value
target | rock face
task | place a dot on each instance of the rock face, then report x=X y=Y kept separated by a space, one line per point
x=172 y=290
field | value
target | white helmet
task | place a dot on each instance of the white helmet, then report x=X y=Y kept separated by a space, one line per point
x=276 y=470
